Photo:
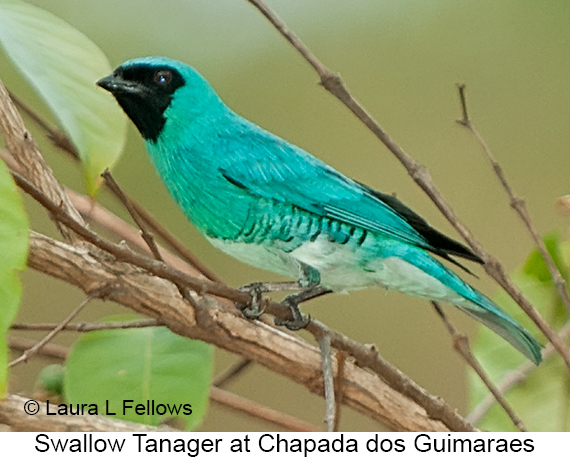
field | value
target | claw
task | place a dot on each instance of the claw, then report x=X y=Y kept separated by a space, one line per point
x=256 y=290
x=293 y=324
x=298 y=321
x=254 y=312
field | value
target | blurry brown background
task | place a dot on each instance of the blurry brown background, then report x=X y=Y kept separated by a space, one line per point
x=401 y=59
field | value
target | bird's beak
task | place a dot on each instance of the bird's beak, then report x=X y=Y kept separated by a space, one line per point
x=117 y=85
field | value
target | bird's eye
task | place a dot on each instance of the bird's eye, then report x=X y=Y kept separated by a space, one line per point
x=163 y=77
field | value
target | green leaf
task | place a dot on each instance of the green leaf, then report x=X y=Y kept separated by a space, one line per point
x=63 y=65
x=535 y=265
x=144 y=365
x=14 y=232
x=50 y=380
x=542 y=400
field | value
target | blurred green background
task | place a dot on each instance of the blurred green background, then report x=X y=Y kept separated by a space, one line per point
x=402 y=60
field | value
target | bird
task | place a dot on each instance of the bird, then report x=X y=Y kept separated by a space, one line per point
x=273 y=205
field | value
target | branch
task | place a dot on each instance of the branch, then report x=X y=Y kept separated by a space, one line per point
x=461 y=345
x=146 y=235
x=25 y=153
x=84 y=327
x=334 y=84
x=517 y=203
x=51 y=335
x=224 y=327
x=328 y=381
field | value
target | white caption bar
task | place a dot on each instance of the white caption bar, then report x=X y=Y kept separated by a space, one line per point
x=285 y=444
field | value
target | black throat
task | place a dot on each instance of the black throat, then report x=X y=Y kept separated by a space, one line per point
x=145 y=101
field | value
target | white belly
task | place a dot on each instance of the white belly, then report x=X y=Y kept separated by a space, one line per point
x=342 y=268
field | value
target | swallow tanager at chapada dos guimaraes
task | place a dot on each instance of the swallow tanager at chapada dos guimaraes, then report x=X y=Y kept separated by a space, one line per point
x=272 y=205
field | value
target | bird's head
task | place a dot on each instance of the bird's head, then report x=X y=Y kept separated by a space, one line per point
x=156 y=90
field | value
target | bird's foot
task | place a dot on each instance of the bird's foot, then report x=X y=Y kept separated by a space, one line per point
x=256 y=290
x=299 y=321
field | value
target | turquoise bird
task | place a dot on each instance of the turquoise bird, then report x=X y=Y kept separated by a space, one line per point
x=272 y=205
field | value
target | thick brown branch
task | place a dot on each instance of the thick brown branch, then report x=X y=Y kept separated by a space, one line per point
x=288 y=355
x=24 y=150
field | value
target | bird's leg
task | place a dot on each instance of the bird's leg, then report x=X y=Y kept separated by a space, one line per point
x=309 y=282
x=308 y=286
x=257 y=289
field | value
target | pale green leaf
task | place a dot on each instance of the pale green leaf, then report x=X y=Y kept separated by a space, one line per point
x=63 y=65
x=146 y=366
x=14 y=232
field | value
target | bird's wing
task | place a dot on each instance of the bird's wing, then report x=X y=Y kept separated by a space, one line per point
x=269 y=167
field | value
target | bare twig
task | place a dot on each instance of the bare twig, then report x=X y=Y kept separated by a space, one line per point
x=84 y=327
x=259 y=411
x=30 y=352
x=176 y=245
x=56 y=351
x=57 y=137
x=95 y=213
x=146 y=235
x=461 y=345
x=516 y=202
x=237 y=368
x=328 y=381
x=339 y=387
x=334 y=84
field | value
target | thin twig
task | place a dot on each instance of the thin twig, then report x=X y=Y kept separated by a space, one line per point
x=57 y=137
x=461 y=345
x=173 y=242
x=259 y=411
x=236 y=369
x=95 y=213
x=328 y=381
x=339 y=387
x=146 y=235
x=55 y=351
x=334 y=84
x=84 y=327
x=516 y=202
x=30 y=352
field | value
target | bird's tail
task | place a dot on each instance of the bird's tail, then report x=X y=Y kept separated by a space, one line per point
x=479 y=306
x=505 y=326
